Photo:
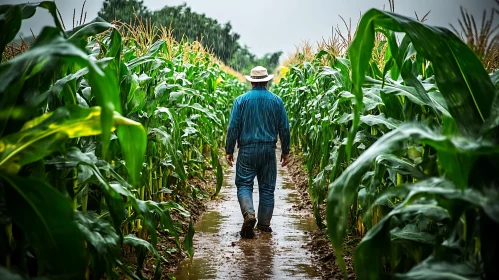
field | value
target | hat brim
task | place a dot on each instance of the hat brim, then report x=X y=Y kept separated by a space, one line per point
x=266 y=79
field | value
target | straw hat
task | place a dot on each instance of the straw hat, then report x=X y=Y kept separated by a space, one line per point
x=259 y=74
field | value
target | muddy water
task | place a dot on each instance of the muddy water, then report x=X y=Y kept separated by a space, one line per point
x=220 y=252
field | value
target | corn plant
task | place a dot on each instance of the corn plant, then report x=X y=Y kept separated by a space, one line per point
x=98 y=142
x=405 y=152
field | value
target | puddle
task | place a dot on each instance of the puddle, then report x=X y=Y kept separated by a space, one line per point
x=210 y=223
x=220 y=253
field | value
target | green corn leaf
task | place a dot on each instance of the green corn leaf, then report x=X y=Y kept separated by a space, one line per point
x=411 y=233
x=80 y=34
x=188 y=245
x=17 y=72
x=380 y=120
x=162 y=210
x=105 y=89
x=47 y=218
x=394 y=103
x=440 y=190
x=400 y=165
x=141 y=246
x=133 y=143
x=411 y=80
x=44 y=135
x=113 y=194
x=115 y=44
x=90 y=171
x=102 y=241
x=343 y=190
x=460 y=76
x=99 y=234
x=134 y=241
x=219 y=171
x=433 y=269
x=375 y=245
x=52 y=45
x=65 y=84
x=204 y=110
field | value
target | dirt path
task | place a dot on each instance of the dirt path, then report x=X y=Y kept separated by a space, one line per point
x=220 y=253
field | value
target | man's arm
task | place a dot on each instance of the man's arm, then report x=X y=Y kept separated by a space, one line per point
x=232 y=132
x=284 y=135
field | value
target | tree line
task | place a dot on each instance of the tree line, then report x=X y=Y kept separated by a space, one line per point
x=185 y=23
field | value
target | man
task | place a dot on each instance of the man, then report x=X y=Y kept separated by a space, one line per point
x=257 y=117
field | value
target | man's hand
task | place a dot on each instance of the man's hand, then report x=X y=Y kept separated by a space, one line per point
x=284 y=160
x=229 y=159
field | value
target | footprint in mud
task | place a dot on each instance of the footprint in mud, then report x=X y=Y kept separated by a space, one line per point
x=221 y=253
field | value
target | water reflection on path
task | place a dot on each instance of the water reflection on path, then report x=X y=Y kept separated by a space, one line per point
x=220 y=253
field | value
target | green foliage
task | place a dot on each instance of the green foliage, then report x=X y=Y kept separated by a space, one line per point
x=188 y=241
x=98 y=144
x=410 y=154
x=243 y=60
x=124 y=10
x=46 y=217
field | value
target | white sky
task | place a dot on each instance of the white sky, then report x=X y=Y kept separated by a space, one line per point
x=273 y=25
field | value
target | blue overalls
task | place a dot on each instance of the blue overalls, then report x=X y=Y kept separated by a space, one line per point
x=257 y=118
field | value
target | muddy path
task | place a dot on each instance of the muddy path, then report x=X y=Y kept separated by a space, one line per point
x=220 y=252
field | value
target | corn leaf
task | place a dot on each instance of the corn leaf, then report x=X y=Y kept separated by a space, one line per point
x=461 y=77
x=102 y=240
x=57 y=242
x=92 y=28
x=219 y=171
x=44 y=135
x=136 y=242
x=343 y=190
x=432 y=269
x=188 y=245
x=443 y=192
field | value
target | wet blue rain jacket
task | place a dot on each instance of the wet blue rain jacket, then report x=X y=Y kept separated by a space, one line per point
x=257 y=117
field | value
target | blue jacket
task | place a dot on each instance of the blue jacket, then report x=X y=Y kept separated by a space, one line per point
x=257 y=117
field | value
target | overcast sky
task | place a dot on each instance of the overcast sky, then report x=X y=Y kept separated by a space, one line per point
x=274 y=25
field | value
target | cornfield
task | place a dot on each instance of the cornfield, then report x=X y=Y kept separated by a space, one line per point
x=100 y=136
x=402 y=151
x=103 y=127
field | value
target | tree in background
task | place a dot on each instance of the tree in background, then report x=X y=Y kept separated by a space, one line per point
x=123 y=10
x=186 y=24
x=271 y=60
x=243 y=60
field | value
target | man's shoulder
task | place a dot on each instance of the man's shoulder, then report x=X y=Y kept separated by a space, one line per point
x=276 y=97
x=243 y=96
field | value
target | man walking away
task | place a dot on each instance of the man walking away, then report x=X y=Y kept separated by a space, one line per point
x=257 y=117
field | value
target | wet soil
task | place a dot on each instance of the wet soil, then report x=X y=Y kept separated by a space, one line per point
x=220 y=252
x=296 y=249
x=324 y=258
